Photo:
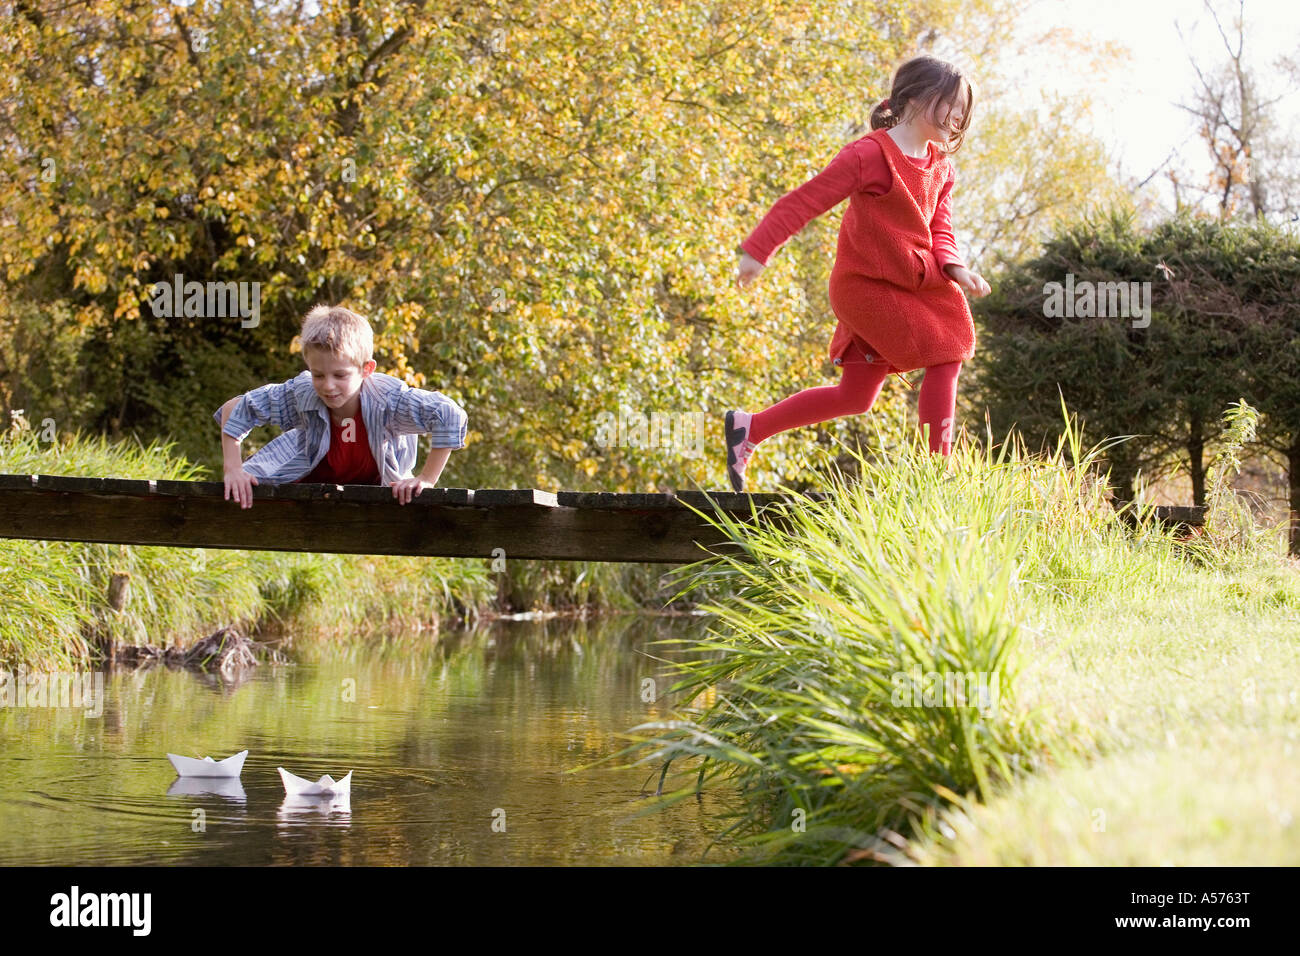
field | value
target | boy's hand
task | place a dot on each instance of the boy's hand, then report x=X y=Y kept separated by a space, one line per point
x=748 y=270
x=405 y=488
x=972 y=282
x=239 y=485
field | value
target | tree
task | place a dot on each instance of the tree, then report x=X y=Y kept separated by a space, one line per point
x=1254 y=164
x=1223 y=324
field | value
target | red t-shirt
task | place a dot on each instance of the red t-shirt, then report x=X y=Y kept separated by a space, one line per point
x=346 y=462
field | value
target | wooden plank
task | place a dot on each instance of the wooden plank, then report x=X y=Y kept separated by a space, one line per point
x=742 y=501
x=365 y=519
x=706 y=501
x=72 y=483
x=1180 y=516
x=521 y=523
x=512 y=498
x=376 y=493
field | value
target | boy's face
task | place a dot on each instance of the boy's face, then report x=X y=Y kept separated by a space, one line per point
x=337 y=379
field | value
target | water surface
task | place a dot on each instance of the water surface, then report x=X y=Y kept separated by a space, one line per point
x=460 y=746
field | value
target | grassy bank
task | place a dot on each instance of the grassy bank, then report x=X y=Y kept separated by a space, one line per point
x=976 y=661
x=56 y=611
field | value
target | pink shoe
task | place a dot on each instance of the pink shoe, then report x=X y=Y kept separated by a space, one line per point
x=739 y=447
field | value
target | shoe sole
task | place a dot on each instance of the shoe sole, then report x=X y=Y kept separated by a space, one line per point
x=734 y=437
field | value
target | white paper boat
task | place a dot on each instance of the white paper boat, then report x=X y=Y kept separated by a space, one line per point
x=207 y=767
x=326 y=785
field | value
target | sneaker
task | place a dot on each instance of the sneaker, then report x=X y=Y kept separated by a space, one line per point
x=739 y=447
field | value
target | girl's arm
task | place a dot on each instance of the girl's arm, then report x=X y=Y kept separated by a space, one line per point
x=797 y=208
x=945 y=243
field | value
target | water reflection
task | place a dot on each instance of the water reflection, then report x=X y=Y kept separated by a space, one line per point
x=333 y=809
x=462 y=745
x=228 y=787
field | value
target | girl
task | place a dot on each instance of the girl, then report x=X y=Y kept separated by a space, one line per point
x=896 y=284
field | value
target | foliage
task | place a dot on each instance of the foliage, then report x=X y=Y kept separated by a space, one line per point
x=1223 y=323
x=1228 y=523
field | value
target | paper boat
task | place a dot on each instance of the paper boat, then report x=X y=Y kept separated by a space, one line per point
x=207 y=767
x=326 y=785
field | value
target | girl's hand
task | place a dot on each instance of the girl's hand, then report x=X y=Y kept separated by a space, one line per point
x=972 y=282
x=749 y=269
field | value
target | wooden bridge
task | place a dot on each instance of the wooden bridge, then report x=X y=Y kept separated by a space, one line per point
x=366 y=519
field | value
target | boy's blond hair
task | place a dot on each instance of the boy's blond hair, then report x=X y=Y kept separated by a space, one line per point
x=339 y=331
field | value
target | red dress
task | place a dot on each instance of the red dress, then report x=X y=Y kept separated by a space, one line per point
x=346 y=462
x=887 y=288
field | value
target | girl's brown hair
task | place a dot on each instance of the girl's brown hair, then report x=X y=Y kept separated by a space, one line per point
x=919 y=82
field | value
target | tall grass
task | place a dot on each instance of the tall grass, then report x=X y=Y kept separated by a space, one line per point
x=834 y=690
x=54 y=591
x=1189 y=689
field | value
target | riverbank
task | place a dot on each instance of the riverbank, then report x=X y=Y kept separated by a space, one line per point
x=980 y=663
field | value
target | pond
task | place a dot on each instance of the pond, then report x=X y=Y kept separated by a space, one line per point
x=460 y=743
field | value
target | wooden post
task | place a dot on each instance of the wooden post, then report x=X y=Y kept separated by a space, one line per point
x=119 y=590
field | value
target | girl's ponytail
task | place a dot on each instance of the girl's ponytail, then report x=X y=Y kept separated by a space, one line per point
x=883 y=116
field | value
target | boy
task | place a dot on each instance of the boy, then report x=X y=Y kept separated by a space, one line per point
x=344 y=422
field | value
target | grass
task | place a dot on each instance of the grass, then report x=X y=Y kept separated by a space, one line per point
x=1128 y=666
x=1192 y=693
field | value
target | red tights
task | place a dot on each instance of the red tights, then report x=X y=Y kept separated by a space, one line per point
x=860 y=383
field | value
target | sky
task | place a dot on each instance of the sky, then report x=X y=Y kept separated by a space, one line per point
x=1141 y=125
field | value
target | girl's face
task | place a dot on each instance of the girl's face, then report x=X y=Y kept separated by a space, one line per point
x=941 y=117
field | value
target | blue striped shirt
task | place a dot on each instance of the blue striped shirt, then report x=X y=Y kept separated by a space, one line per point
x=394 y=414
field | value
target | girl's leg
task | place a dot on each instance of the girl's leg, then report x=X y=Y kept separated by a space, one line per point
x=860 y=383
x=937 y=404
